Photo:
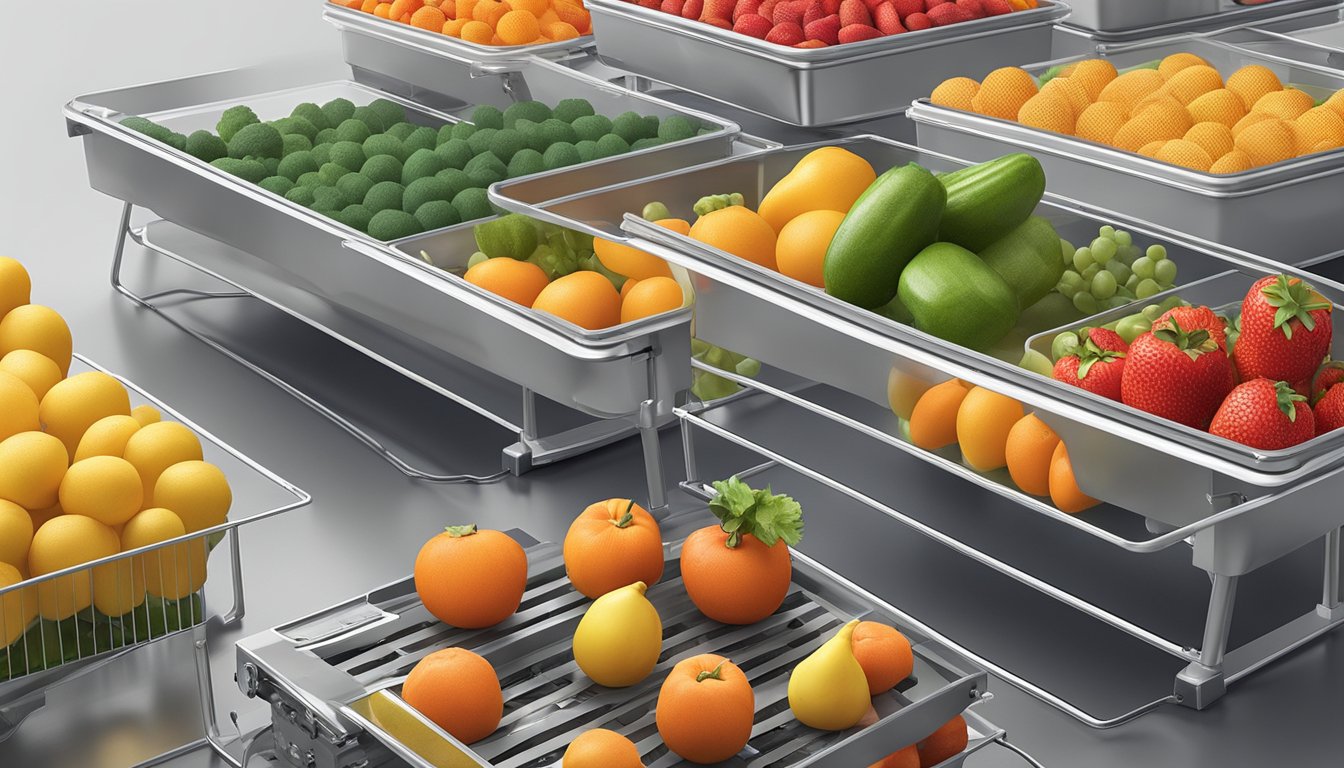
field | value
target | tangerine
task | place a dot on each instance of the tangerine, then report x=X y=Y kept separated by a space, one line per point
x=583 y=298
x=884 y=653
x=458 y=691
x=713 y=574
x=705 y=709
x=933 y=423
x=650 y=297
x=955 y=93
x=470 y=578
x=518 y=281
x=739 y=231
x=1031 y=444
x=611 y=544
x=1003 y=92
x=948 y=741
x=601 y=748
x=1064 y=490
x=800 y=251
x=983 y=422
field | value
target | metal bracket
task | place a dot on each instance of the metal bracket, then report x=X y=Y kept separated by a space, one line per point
x=1198 y=686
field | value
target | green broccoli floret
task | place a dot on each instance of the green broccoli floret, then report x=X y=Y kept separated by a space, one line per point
x=506 y=143
x=389 y=224
x=486 y=169
x=445 y=134
x=487 y=116
x=234 y=120
x=425 y=162
x=325 y=136
x=177 y=141
x=472 y=204
x=355 y=216
x=311 y=180
x=389 y=112
x=527 y=161
x=677 y=128
x=148 y=128
x=272 y=165
x=570 y=110
x=611 y=145
x=322 y=154
x=455 y=153
x=437 y=214
x=369 y=118
x=256 y=140
x=383 y=144
x=354 y=186
x=480 y=140
x=204 y=145
x=384 y=195
x=508 y=237
x=381 y=168
x=348 y=155
x=332 y=173
x=632 y=127
x=401 y=130
x=278 y=185
x=587 y=151
x=295 y=165
x=250 y=170
x=592 y=127
x=338 y=111
x=313 y=114
x=421 y=138
x=298 y=125
x=560 y=155
x=354 y=130
x=531 y=133
x=294 y=142
x=530 y=110
x=647 y=143
x=301 y=195
x=422 y=191
x=464 y=130
x=556 y=131
x=456 y=179
x=329 y=199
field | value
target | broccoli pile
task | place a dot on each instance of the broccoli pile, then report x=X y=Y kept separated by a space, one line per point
x=372 y=169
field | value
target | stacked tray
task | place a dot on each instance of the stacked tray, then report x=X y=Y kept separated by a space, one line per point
x=1126 y=20
x=1315 y=37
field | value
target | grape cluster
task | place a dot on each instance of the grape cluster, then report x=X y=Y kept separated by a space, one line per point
x=1111 y=272
x=1129 y=327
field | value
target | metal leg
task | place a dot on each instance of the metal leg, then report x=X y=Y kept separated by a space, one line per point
x=653 y=450
x=236 y=563
x=1330 y=607
x=207 y=693
x=1202 y=682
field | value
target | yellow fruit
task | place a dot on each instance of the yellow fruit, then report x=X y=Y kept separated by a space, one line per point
x=1235 y=161
x=1048 y=112
x=1192 y=82
x=156 y=447
x=146 y=414
x=1186 y=154
x=1220 y=106
x=629 y=262
x=106 y=437
x=1250 y=119
x=619 y=638
x=1156 y=122
x=31 y=467
x=1213 y=138
x=904 y=391
x=16 y=533
x=197 y=492
x=955 y=93
x=39 y=328
x=18 y=406
x=826 y=179
x=1287 y=104
x=105 y=488
x=1151 y=148
x=586 y=299
x=1127 y=89
x=15 y=285
x=173 y=572
x=41 y=516
x=1325 y=146
x=1177 y=62
x=35 y=369
x=828 y=690
x=73 y=405
x=17 y=608
x=1100 y=122
x=1252 y=82
x=1317 y=125
x=983 y=422
x=1003 y=92
x=115 y=591
x=738 y=231
x=1093 y=74
x=1268 y=141
x=1072 y=91
x=64 y=542
x=801 y=248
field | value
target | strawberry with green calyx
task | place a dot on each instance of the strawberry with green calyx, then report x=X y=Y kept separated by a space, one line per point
x=1198 y=319
x=1097 y=365
x=1330 y=374
x=1176 y=374
x=1329 y=411
x=1265 y=414
x=1286 y=330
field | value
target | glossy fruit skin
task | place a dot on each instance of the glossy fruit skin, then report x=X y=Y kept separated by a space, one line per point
x=458 y=691
x=601 y=748
x=1288 y=351
x=954 y=295
x=829 y=178
x=1195 y=319
x=1329 y=410
x=983 y=422
x=1266 y=415
x=1064 y=490
x=471 y=580
x=905 y=758
x=649 y=297
x=1106 y=353
x=1330 y=374
x=601 y=556
x=1163 y=380
x=987 y=201
x=828 y=690
x=738 y=231
x=885 y=655
x=1029 y=452
x=949 y=740
x=709 y=720
x=717 y=577
x=518 y=281
x=933 y=422
x=586 y=299
x=619 y=638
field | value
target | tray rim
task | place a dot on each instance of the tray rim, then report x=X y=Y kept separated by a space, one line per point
x=354 y=21
x=1254 y=14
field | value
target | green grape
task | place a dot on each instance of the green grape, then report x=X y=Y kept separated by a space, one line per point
x=1165 y=272
x=1152 y=312
x=698 y=347
x=1086 y=303
x=1072 y=280
x=1063 y=345
x=1083 y=331
x=748 y=367
x=1103 y=250
x=1147 y=287
x=1143 y=267
x=1091 y=272
x=1115 y=302
x=1132 y=282
x=1037 y=363
x=1082 y=258
x=1066 y=250
x=1172 y=302
x=1132 y=327
x=1123 y=239
x=1120 y=269
x=1107 y=231
x=1103 y=285
x=1157 y=252
x=1067 y=290
x=1123 y=291
x=476 y=258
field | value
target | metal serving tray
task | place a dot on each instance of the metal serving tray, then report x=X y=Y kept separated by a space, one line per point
x=802 y=330
x=1244 y=211
x=816 y=87
x=344 y=668
x=1315 y=37
x=1158 y=18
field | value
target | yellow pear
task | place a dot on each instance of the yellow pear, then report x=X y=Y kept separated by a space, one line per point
x=828 y=689
x=619 y=638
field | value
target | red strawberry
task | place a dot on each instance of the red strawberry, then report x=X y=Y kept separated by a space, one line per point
x=1098 y=366
x=1176 y=374
x=767 y=9
x=827 y=30
x=654 y=4
x=754 y=25
x=854 y=12
x=691 y=9
x=815 y=11
x=720 y=23
x=830 y=6
x=1329 y=411
x=929 y=5
x=1198 y=319
x=717 y=9
x=745 y=7
x=1330 y=374
x=947 y=14
x=887 y=20
x=972 y=7
x=907 y=7
x=672 y=6
x=811 y=44
x=1264 y=414
x=791 y=12
x=996 y=7
x=917 y=21
x=787 y=33
x=1285 y=330
x=872 y=4
x=855 y=33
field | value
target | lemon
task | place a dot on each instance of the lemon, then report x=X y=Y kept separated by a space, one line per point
x=16 y=533
x=197 y=492
x=74 y=405
x=156 y=447
x=31 y=467
x=67 y=541
x=171 y=572
x=15 y=285
x=619 y=638
x=106 y=488
x=34 y=369
x=146 y=415
x=39 y=328
x=107 y=437
x=41 y=516
x=18 y=406
x=17 y=609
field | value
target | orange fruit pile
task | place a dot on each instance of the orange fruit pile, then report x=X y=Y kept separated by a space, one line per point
x=486 y=22
x=1182 y=113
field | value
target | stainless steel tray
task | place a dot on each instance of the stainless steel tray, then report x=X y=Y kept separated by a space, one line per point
x=1158 y=18
x=344 y=667
x=1242 y=211
x=817 y=87
x=1315 y=37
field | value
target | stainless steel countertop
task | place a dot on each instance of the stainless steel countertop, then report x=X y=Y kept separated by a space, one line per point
x=368 y=521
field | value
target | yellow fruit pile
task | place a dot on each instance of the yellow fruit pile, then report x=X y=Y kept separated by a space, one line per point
x=84 y=476
x=1182 y=113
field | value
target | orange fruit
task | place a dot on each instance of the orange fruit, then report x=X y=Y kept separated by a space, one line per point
x=560 y=30
x=105 y=488
x=469 y=578
x=1048 y=112
x=1071 y=91
x=106 y=437
x=16 y=533
x=1316 y=125
x=381 y=10
x=477 y=32
x=601 y=748
x=713 y=573
x=983 y=422
x=1219 y=106
x=1192 y=82
x=1213 y=138
x=680 y=226
x=1186 y=154
x=955 y=93
x=518 y=281
x=1177 y=62
x=534 y=7
x=1064 y=490
x=1128 y=88
x=705 y=709
x=885 y=655
x=946 y=742
x=428 y=18
x=906 y=758
x=739 y=231
x=1093 y=74
x=367 y=6
x=517 y=28
x=1268 y=141
x=1003 y=92
x=1031 y=444
x=483 y=8
x=1235 y=161
x=826 y=179
x=1336 y=102
x=612 y=544
x=650 y=297
x=1158 y=121
x=1100 y=122
x=453 y=27
x=458 y=691
x=584 y=298
x=1252 y=82
x=800 y=251
x=629 y=262
x=1151 y=148
x=1287 y=104
x=1325 y=146
x=1250 y=119
x=402 y=7
x=627 y=286
x=933 y=423
x=1155 y=97
x=573 y=13
x=155 y=447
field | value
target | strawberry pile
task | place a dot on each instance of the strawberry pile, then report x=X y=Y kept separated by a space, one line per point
x=1257 y=389
x=821 y=23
